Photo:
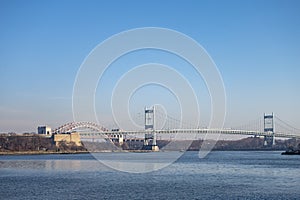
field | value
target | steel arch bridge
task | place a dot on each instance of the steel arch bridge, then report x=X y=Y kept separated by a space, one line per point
x=72 y=126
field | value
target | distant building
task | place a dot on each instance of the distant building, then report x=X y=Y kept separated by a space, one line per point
x=45 y=130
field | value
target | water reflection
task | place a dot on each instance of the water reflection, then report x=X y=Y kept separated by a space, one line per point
x=232 y=174
x=55 y=165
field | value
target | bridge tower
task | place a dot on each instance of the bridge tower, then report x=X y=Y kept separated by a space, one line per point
x=269 y=127
x=150 y=137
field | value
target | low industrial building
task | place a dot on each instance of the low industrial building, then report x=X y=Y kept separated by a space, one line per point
x=44 y=130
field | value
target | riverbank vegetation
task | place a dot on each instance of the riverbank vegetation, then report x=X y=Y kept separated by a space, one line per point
x=38 y=144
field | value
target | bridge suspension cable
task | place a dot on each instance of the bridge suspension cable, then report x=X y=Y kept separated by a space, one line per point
x=253 y=125
x=283 y=127
x=171 y=122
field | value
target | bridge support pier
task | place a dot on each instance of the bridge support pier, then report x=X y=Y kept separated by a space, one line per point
x=150 y=142
x=269 y=140
x=273 y=139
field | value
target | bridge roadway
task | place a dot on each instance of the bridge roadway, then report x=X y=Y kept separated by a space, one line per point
x=192 y=131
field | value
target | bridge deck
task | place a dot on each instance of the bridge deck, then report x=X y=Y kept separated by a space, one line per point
x=193 y=131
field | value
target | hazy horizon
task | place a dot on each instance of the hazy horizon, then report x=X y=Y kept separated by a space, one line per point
x=254 y=44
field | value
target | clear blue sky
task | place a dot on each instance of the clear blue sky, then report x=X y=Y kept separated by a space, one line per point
x=255 y=44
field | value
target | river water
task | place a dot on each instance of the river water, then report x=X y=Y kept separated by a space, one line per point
x=220 y=175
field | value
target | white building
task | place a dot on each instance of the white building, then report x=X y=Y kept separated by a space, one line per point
x=45 y=130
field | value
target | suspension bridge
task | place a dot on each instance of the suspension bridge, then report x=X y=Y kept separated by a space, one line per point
x=264 y=127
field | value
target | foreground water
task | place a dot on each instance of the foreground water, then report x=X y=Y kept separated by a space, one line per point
x=221 y=175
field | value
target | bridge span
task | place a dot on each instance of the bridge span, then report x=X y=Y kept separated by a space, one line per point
x=266 y=129
x=192 y=131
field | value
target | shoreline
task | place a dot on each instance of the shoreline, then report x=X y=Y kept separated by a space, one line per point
x=16 y=153
x=40 y=152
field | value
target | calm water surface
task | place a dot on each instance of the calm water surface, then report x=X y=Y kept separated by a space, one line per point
x=221 y=175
